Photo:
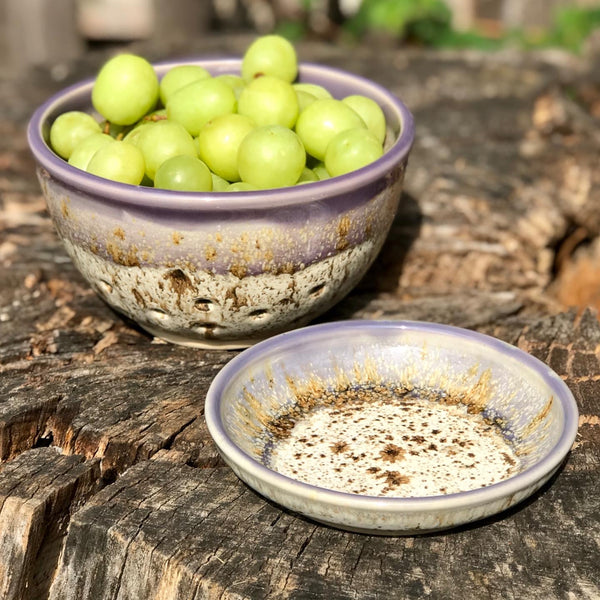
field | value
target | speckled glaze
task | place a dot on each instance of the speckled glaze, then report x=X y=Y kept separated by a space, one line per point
x=374 y=442
x=256 y=399
x=218 y=269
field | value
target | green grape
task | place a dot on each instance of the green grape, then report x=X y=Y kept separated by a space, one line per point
x=161 y=141
x=307 y=176
x=69 y=129
x=313 y=89
x=118 y=161
x=269 y=101
x=235 y=82
x=133 y=136
x=321 y=121
x=241 y=186
x=218 y=183
x=197 y=146
x=83 y=152
x=260 y=127
x=351 y=150
x=321 y=172
x=199 y=102
x=304 y=99
x=178 y=77
x=183 y=173
x=370 y=112
x=271 y=156
x=125 y=89
x=219 y=141
x=270 y=55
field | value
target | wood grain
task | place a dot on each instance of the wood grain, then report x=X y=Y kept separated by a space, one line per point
x=178 y=532
x=38 y=492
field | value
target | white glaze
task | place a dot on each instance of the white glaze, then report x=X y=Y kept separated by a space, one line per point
x=395 y=447
x=222 y=310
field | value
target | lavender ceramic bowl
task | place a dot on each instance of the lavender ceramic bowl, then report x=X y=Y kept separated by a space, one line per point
x=391 y=427
x=216 y=269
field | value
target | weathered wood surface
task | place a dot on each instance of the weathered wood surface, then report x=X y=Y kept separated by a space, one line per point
x=497 y=232
x=38 y=492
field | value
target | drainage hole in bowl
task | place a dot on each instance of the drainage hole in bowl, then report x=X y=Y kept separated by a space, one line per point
x=317 y=290
x=259 y=315
x=156 y=314
x=203 y=304
x=105 y=287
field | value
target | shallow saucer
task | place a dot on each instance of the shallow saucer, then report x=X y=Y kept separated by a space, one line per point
x=391 y=427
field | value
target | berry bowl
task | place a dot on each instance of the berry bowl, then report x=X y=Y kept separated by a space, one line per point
x=213 y=269
x=391 y=427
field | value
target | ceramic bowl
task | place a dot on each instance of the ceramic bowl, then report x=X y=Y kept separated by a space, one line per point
x=391 y=427
x=216 y=269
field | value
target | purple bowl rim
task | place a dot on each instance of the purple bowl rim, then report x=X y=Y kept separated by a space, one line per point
x=497 y=491
x=152 y=198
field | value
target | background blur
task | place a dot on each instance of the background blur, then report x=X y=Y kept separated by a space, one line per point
x=45 y=32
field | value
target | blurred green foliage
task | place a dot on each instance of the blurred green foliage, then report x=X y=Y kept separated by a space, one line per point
x=397 y=17
x=429 y=22
x=572 y=26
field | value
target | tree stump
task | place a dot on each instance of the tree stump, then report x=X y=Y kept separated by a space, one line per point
x=110 y=487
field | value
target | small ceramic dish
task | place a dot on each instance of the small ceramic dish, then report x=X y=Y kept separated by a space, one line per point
x=391 y=427
x=219 y=269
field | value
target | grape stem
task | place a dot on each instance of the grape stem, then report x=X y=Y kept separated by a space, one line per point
x=155 y=118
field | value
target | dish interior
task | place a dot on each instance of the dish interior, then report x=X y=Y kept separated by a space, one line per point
x=398 y=413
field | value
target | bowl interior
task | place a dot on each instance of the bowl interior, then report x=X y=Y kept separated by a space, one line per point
x=275 y=384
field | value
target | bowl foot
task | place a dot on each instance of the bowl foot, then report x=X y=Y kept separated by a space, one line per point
x=207 y=344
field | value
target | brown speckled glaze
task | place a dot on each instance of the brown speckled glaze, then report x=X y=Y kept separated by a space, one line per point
x=220 y=269
x=379 y=443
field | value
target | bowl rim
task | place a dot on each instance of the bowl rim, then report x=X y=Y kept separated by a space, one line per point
x=506 y=488
x=121 y=193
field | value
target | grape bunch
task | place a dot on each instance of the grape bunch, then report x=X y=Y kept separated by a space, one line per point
x=192 y=131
